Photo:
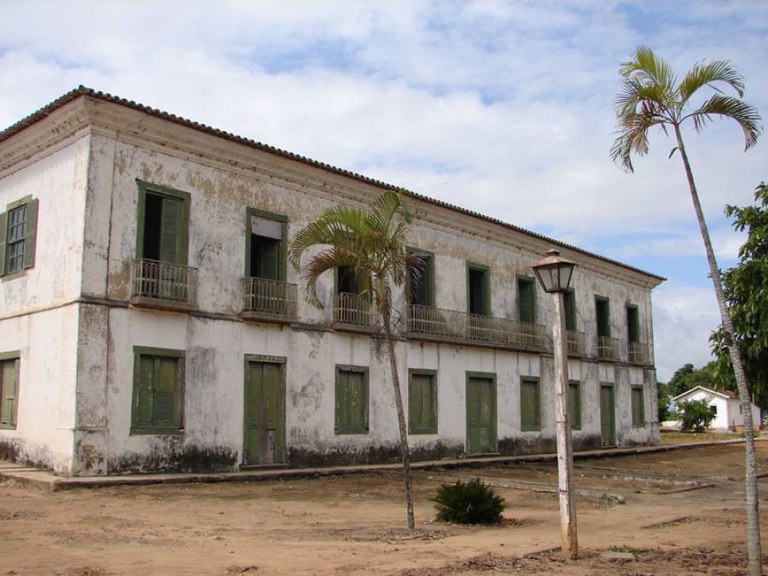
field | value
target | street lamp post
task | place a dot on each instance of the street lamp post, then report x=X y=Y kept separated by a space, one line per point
x=554 y=275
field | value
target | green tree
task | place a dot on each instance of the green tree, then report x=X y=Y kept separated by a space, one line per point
x=695 y=415
x=746 y=291
x=651 y=96
x=371 y=244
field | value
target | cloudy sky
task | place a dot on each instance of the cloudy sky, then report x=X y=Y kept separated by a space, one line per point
x=504 y=107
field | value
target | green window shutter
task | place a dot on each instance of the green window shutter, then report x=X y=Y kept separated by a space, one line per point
x=530 y=405
x=638 y=408
x=526 y=300
x=164 y=394
x=170 y=225
x=9 y=376
x=602 y=307
x=479 y=290
x=30 y=234
x=574 y=405
x=351 y=401
x=422 y=404
x=142 y=392
x=3 y=236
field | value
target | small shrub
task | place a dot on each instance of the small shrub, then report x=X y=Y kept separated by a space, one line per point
x=468 y=503
x=695 y=415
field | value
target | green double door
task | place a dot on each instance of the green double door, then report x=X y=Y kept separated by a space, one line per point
x=481 y=414
x=264 y=413
x=607 y=415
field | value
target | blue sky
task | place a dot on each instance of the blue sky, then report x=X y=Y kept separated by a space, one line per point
x=502 y=107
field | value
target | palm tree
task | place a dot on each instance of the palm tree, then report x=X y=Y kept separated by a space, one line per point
x=371 y=245
x=651 y=96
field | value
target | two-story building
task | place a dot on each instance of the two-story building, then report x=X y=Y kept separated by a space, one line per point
x=149 y=319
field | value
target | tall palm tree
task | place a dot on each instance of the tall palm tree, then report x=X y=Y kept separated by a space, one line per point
x=371 y=244
x=651 y=96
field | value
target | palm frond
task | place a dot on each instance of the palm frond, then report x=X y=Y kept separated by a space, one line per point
x=648 y=68
x=743 y=114
x=328 y=259
x=710 y=74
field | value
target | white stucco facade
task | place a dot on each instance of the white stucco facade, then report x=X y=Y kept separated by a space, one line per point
x=76 y=325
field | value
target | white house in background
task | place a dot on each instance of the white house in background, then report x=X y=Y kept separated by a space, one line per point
x=725 y=405
x=149 y=320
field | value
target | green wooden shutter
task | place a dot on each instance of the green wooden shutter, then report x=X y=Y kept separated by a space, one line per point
x=526 y=304
x=422 y=405
x=570 y=310
x=3 y=237
x=530 y=408
x=164 y=393
x=142 y=393
x=574 y=405
x=170 y=224
x=603 y=317
x=30 y=234
x=9 y=375
x=633 y=324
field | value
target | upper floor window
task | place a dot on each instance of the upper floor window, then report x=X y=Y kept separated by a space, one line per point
x=526 y=299
x=422 y=278
x=633 y=324
x=163 y=224
x=569 y=300
x=478 y=290
x=603 y=313
x=266 y=245
x=18 y=226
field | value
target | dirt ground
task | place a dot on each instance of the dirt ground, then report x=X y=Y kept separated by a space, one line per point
x=678 y=512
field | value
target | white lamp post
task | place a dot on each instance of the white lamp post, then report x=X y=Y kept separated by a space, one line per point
x=554 y=275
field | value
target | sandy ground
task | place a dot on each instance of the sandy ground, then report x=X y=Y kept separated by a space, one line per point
x=679 y=512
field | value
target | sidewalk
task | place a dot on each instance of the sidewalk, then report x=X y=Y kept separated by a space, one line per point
x=47 y=480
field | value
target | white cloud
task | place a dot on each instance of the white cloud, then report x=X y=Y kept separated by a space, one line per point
x=501 y=107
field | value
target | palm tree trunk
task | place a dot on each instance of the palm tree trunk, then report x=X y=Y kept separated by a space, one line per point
x=405 y=451
x=753 y=513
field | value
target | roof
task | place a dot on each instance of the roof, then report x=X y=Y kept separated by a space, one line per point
x=721 y=393
x=83 y=91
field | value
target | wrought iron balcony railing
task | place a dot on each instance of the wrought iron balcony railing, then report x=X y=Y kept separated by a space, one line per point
x=352 y=310
x=269 y=297
x=163 y=281
x=576 y=343
x=453 y=325
x=639 y=352
x=607 y=348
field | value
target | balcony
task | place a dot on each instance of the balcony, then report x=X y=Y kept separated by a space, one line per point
x=449 y=325
x=607 y=348
x=352 y=311
x=269 y=300
x=576 y=343
x=639 y=353
x=163 y=285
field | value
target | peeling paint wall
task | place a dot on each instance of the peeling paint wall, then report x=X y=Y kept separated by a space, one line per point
x=84 y=380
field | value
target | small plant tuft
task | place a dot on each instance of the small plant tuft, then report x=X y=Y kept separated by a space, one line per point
x=470 y=502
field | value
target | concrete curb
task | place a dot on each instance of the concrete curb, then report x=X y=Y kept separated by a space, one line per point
x=47 y=480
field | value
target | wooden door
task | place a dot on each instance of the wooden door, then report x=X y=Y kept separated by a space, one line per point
x=264 y=413
x=481 y=415
x=607 y=415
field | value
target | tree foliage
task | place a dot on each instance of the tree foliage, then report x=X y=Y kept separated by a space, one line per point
x=695 y=415
x=472 y=502
x=371 y=244
x=746 y=289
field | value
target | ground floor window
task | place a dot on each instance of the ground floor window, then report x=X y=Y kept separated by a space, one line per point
x=158 y=391
x=351 y=400
x=9 y=388
x=422 y=402
x=530 y=405
x=574 y=404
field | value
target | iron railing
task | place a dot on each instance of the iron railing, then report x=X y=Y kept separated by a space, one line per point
x=453 y=325
x=352 y=309
x=639 y=352
x=607 y=348
x=264 y=296
x=576 y=343
x=164 y=281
